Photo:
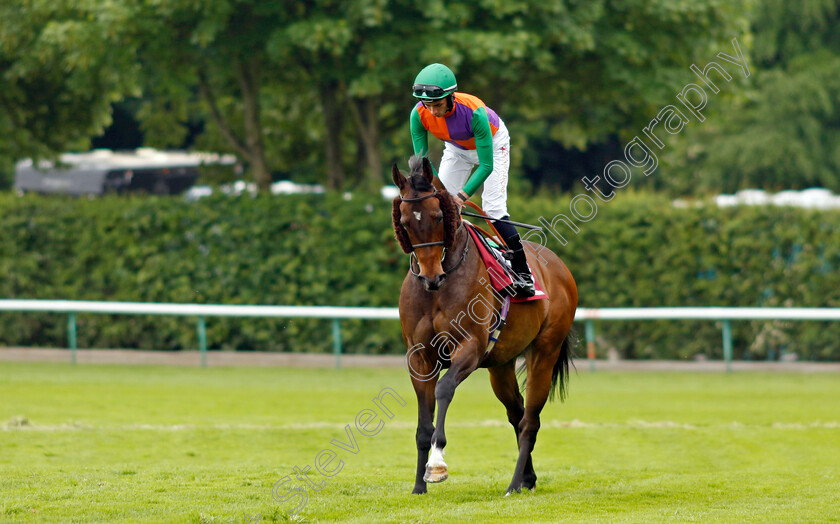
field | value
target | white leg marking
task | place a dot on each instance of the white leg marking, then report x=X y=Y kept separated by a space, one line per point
x=435 y=457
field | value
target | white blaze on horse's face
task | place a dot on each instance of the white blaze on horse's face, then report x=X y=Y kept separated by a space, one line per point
x=417 y=215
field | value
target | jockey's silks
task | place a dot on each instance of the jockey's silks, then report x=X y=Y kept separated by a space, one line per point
x=470 y=125
x=456 y=127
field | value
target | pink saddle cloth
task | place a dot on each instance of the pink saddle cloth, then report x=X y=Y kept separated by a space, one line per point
x=499 y=277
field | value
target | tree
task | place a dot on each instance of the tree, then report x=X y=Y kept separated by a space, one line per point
x=363 y=55
x=785 y=133
x=324 y=86
x=208 y=60
x=581 y=72
x=61 y=68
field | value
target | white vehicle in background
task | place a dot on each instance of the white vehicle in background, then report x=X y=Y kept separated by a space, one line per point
x=813 y=198
x=102 y=170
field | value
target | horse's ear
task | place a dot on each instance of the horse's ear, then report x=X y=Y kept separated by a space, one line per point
x=427 y=170
x=399 y=179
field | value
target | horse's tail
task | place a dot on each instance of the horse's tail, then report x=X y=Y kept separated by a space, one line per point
x=560 y=373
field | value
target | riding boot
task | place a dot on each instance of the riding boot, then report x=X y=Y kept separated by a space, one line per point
x=523 y=285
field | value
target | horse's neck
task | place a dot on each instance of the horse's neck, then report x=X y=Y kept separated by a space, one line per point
x=462 y=284
x=463 y=240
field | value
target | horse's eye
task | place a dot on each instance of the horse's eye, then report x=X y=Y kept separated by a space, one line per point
x=439 y=218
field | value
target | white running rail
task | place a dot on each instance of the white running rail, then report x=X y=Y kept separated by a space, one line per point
x=336 y=313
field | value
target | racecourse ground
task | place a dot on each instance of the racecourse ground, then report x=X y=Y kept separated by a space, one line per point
x=95 y=443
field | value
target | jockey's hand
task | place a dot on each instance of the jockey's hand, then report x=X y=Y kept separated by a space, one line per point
x=460 y=198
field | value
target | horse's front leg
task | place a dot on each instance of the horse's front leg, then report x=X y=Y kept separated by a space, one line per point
x=465 y=363
x=425 y=391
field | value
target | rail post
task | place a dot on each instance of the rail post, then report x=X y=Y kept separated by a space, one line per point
x=589 y=328
x=336 y=333
x=71 y=336
x=201 y=329
x=727 y=344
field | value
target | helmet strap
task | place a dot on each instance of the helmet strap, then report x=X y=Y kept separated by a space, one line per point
x=450 y=102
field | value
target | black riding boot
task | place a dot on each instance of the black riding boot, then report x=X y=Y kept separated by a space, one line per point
x=523 y=286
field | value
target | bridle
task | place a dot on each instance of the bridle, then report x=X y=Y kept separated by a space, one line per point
x=420 y=199
x=412 y=257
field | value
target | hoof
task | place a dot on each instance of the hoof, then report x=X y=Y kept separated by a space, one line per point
x=436 y=474
x=419 y=491
x=530 y=489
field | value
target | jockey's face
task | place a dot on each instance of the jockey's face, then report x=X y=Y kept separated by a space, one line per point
x=437 y=107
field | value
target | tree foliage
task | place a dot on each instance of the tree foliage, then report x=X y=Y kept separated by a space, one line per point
x=785 y=133
x=61 y=67
x=209 y=61
x=326 y=84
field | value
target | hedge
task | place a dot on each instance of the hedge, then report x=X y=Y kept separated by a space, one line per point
x=637 y=250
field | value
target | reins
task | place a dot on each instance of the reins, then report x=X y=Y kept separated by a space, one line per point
x=498 y=237
x=490 y=222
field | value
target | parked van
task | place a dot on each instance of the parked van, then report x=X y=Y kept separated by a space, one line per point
x=102 y=171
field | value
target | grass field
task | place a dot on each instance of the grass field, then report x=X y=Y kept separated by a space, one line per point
x=97 y=443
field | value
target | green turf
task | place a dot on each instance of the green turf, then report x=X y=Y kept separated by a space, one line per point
x=165 y=444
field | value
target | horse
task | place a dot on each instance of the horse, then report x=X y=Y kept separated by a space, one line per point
x=448 y=309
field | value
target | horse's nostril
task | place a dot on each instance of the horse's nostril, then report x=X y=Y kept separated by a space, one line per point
x=432 y=284
x=427 y=284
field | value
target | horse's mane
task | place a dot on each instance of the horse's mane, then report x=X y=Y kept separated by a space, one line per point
x=417 y=180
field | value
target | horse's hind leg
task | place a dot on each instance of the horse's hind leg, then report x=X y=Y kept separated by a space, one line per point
x=505 y=386
x=544 y=361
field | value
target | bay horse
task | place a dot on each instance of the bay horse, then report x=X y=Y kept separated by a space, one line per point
x=447 y=311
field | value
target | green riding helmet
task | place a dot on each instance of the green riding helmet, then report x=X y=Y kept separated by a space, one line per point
x=434 y=82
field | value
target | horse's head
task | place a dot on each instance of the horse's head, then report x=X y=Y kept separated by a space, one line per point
x=425 y=220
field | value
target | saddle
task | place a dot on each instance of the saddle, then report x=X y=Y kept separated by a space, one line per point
x=498 y=265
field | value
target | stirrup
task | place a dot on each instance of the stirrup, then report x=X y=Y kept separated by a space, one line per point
x=524 y=287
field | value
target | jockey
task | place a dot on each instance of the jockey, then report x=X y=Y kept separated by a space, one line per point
x=474 y=135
